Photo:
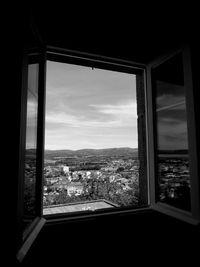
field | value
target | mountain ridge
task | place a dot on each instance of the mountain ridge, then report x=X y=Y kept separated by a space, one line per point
x=91 y=149
x=93 y=152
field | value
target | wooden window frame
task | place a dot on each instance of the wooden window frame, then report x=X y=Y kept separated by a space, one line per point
x=147 y=186
x=25 y=237
x=106 y=63
x=192 y=217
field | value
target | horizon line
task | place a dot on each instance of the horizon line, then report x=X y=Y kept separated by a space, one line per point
x=89 y=148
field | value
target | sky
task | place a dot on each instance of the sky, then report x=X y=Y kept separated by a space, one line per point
x=89 y=108
x=171 y=116
x=94 y=108
x=32 y=101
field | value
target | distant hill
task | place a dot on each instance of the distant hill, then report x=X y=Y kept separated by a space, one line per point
x=122 y=151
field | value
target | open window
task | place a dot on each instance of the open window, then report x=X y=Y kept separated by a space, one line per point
x=174 y=179
x=30 y=220
x=164 y=176
x=95 y=145
x=112 y=179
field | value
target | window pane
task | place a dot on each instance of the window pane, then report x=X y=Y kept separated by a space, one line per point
x=173 y=184
x=91 y=141
x=31 y=145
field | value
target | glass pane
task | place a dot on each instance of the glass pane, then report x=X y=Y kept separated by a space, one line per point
x=91 y=141
x=173 y=183
x=31 y=145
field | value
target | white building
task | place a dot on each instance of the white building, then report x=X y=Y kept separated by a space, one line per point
x=65 y=169
x=74 y=188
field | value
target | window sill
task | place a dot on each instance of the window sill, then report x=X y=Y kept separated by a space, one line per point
x=93 y=215
x=176 y=213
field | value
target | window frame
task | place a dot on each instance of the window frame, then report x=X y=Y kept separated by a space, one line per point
x=107 y=63
x=60 y=54
x=26 y=236
x=192 y=217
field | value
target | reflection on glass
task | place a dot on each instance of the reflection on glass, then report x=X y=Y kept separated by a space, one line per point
x=172 y=127
x=31 y=143
x=173 y=185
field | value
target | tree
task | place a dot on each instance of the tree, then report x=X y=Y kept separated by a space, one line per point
x=120 y=169
x=62 y=198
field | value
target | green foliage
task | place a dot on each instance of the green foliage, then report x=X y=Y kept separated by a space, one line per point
x=120 y=169
x=104 y=189
x=95 y=188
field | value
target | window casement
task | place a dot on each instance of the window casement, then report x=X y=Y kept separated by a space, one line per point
x=30 y=220
x=109 y=66
x=173 y=168
x=164 y=97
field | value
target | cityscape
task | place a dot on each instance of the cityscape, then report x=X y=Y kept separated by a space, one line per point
x=174 y=180
x=91 y=143
x=88 y=175
x=91 y=139
x=108 y=175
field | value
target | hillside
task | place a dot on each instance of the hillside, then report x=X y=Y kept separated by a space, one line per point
x=122 y=151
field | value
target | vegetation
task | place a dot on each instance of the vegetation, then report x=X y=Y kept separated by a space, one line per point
x=99 y=188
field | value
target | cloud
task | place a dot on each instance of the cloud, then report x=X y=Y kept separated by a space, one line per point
x=172 y=135
x=73 y=132
x=169 y=121
x=33 y=75
x=31 y=109
x=120 y=116
x=89 y=108
x=128 y=109
x=170 y=101
x=75 y=138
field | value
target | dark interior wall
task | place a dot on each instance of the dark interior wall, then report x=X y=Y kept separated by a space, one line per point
x=134 y=32
x=142 y=237
x=137 y=31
